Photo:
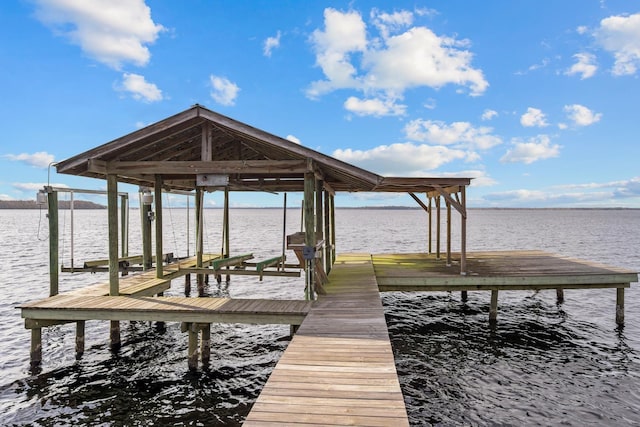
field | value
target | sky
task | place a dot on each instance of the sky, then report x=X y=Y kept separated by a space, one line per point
x=536 y=100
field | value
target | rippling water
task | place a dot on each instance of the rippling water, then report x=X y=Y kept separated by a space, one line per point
x=543 y=363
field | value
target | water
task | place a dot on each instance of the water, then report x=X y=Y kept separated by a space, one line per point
x=543 y=363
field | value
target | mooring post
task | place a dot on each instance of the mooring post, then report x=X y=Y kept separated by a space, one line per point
x=620 y=306
x=80 y=338
x=493 y=310
x=114 y=333
x=205 y=346
x=36 y=347
x=192 y=356
x=464 y=296
x=560 y=295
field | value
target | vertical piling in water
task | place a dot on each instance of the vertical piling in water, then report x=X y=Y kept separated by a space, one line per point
x=493 y=309
x=560 y=295
x=159 y=247
x=114 y=268
x=309 y=237
x=80 y=327
x=205 y=345
x=192 y=357
x=114 y=334
x=36 y=347
x=620 y=306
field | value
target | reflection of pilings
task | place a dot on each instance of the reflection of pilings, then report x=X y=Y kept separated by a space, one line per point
x=36 y=347
x=493 y=309
x=80 y=327
x=560 y=295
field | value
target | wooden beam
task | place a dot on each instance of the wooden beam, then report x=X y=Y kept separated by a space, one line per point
x=175 y=167
x=310 y=235
x=448 y=198
x=426 y=209
x=207 y=143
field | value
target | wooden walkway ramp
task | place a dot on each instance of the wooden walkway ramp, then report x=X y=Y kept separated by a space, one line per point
x=339 y=367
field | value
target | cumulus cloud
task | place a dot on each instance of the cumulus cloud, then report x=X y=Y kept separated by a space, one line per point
x=271 y=43
x=581 y=115
x=585 y=66
x=401 y=159
x=536 y=148
x=620 y=35
x=480 y=177
x=489 y=114
x=383 y=67
x=111 y=31
x=40 y=159
x=223 y=91
x=460 y=134
x=293 y=139
x=533 y=117
x=374 y=107
x=139 y=88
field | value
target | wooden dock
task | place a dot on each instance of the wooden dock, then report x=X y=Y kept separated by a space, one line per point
x=339 y=367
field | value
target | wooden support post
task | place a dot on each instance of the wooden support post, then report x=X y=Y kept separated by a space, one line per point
x=448 y=233
x=620 y=306
x=227 y=250
x=319 y=262
x=463 y=231
x=309 y=238
x=333 y=228
x=112 y=212
x=493 y=309
x=327 y=233
x=187 y=284
x=430 y=232
x=52 y=198
x=192 y=355
x=293 y=329
x=464 y=296
x=114 y=332
x=80 y=338
x=159 y=249
x=560 y=295
x=205 y=347
x=145 y=221
x=438 y=227
x=199 y=237
x=36 y=347
x=124 y=226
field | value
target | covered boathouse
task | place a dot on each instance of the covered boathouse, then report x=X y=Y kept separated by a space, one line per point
x=339 y=367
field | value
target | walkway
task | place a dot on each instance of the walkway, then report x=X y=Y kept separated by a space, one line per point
x=339 y=367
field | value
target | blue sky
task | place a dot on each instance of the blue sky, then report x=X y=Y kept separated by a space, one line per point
x=535 y=100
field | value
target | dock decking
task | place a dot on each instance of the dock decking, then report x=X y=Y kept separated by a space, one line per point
x=339 y=367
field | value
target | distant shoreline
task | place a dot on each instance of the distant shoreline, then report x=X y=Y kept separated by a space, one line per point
x=84 y=204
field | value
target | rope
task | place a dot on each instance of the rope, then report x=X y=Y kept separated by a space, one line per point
x=42 y=239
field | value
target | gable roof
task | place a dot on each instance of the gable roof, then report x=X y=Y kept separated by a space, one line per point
x=199 y=142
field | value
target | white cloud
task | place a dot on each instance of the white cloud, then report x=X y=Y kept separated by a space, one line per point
x=537 y=148
x=271 y=43
x=620 y=35
x=111 y=31
x=489 y=114
x=582 y=29
x=618 y=189
x=34 y=186
x=387 y=23
x=398 y=59
x=223 y=91
x=480 y=177
x=533 y=117
x=40 y=159
x=374 y=107
x=6 y=197
x=585 y=66
x=401 y=159
x=460 y=134
x=140 y=89
x=581 y=115
x=293 y=139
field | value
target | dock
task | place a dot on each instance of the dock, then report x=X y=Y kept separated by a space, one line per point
x=339 y=367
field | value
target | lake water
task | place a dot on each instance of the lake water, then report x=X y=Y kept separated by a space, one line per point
x=543 y=364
